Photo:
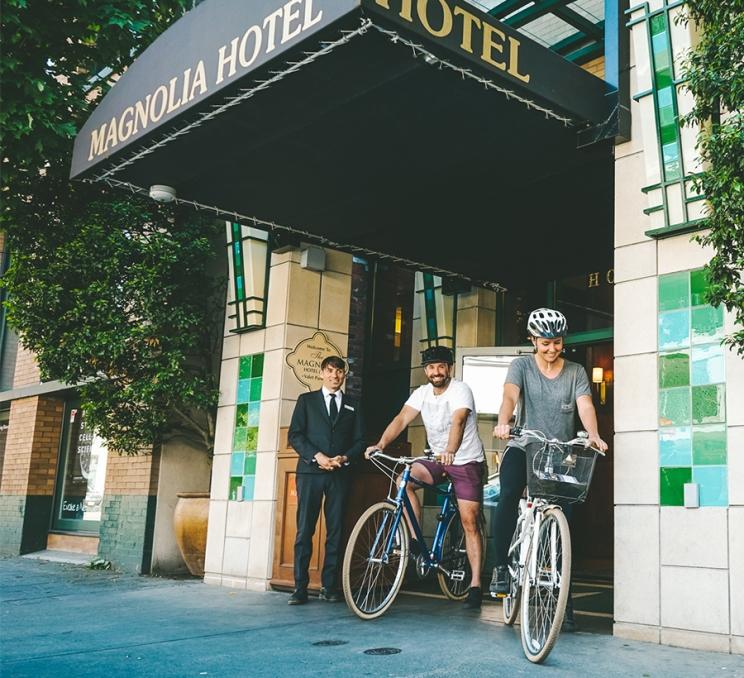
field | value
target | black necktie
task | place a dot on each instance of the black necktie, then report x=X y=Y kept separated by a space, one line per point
x=334 y=407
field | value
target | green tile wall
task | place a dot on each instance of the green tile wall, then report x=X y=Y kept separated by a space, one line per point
x=245 y=434
x=692 y=392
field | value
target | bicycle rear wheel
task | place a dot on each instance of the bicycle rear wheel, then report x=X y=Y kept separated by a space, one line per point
x=511 y=601
x=372 y=574
x=455 y=559
x=546 y=590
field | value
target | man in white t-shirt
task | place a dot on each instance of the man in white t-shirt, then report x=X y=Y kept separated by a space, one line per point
x=447 y=408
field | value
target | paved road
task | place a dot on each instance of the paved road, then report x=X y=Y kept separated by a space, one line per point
x=61 y=620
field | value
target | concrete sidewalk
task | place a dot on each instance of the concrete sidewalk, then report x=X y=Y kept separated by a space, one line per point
x=62 y=620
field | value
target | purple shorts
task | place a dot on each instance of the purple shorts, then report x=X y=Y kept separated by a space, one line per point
x=467 y=478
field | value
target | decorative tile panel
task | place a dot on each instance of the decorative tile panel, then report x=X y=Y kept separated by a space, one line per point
x=692 y=392
x=245 y=435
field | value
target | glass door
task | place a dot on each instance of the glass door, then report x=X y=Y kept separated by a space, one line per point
x=80 y=477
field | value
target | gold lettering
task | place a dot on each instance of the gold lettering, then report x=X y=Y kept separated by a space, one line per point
x=309 y=19
x=446 y=27
x=111 y=138
x=256 y=32
x=227 y=60
x=406 y=11
x=156 y=114
x=610 y=277
x=383 y=3
x=468 y=20
x=271 y=20
x=287 y=18
x=593 y=279
x=185 y=91
x=140 y=114
x=125 y=124
x=489 y=45
x=200 y=80
x=97 y=137
x=514 y=60
x=173 y=104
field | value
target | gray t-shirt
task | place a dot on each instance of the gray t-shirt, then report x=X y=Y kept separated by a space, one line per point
x=547 y=405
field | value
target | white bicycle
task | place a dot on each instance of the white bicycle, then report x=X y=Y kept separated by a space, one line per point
x=539 y=557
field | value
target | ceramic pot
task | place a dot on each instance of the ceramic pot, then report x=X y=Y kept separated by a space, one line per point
x=190 y=520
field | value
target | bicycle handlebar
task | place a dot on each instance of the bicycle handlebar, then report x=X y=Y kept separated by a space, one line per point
x=581 y=439
x=379 y=454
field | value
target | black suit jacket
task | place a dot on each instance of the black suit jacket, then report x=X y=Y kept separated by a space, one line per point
x=312 y=431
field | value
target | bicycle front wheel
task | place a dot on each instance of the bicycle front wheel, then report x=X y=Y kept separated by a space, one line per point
x=375 y=561
x=511 y=601
x=546 y=584
x=455 y=560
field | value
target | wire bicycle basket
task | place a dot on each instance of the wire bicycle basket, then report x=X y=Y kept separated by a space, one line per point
x=559 y=472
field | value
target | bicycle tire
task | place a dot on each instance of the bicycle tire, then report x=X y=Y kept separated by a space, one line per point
x=511 y=602
x=455 y=557
x=371 y=587
x=542 y=606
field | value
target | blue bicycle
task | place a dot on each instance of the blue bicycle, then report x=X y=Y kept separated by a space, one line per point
x=377 y=553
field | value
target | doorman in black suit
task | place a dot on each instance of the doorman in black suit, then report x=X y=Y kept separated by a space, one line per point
x=327 y=433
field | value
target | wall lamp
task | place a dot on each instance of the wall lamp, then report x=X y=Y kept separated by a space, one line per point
x=598 y=378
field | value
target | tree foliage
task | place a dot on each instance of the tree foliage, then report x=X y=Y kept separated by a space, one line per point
x=106 y=288
x=715 y=76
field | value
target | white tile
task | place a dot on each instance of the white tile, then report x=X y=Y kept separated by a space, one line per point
x=639 y=632
x=286 y=409
x=262 y=535
x=735 y=457
x=737 y=644
x=335 y=297
x=274 y=367
x=631 y=223
x=303 y=303
x=637 y=564
x=340 y=262
x=268 y=426
x=276 y=304
x=234 y=582
x=679 y=253
x=636 y=317
x=635 y=261
x=694 y=537
x=695 y=640
x=252 y=342
x=274 y=337
x=239 y=517
x=636 y=393
x=230 y=346
x=265 y=488
x=736 y=553
x=220 y=476
x=734 y=389
x=683 y=589
x=228 y=381
x=212 y=579
x=215 y=536
x=223 y=430
x=636 y=468
x=235 y=558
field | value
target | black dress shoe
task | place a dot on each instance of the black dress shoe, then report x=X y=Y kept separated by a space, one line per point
x=299 y=597
x=474 y=599
x=329 y=596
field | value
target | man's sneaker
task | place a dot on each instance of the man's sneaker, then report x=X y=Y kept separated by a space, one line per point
x=499 y=581
x=298 y=597
x=474 y=599
x=329 y=595
x=569 y=622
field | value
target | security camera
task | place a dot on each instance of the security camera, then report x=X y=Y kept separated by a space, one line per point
x=161 y=193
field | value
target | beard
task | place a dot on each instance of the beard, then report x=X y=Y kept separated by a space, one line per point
x=438 y=381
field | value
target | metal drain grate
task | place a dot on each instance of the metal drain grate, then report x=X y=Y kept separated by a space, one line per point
x=330 y=643
x=383 y=650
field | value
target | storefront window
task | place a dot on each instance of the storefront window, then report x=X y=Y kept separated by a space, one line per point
x=82 y=473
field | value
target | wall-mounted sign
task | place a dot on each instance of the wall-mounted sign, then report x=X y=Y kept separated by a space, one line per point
x=307 y=356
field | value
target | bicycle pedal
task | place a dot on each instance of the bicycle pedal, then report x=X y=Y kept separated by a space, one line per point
x=498 y=596
x=457 y=575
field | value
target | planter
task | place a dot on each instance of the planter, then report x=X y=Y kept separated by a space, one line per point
x=190 y=520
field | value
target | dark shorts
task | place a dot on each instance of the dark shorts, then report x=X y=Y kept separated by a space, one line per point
x=467 y=478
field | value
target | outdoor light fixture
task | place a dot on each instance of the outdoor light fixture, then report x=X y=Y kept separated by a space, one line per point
x=162 y=193
x=599 y=380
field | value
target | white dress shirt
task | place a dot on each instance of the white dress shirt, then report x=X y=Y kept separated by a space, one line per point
x=327 y=397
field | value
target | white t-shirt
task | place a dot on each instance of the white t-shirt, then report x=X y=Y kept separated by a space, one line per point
x=437 y=410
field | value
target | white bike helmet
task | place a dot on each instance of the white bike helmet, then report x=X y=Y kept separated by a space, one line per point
x=547 y=323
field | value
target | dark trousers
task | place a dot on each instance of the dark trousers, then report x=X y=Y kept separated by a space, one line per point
x=513 y=479
x=311 y=488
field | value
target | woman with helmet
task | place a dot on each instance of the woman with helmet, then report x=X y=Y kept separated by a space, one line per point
x=546 y=390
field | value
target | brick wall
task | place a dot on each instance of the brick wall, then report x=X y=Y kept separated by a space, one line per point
x=128 y=511
x=29 y=469
x=26 y=370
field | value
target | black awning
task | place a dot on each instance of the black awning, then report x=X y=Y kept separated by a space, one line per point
x=368 y=132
